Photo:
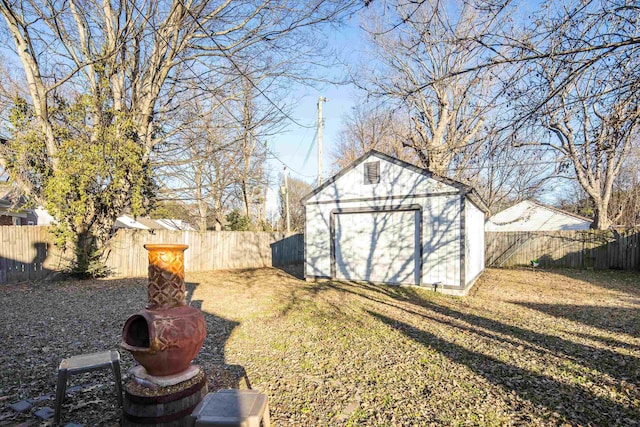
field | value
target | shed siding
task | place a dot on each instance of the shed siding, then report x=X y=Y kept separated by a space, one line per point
x=441 y=230
x=317 y=240
x=317 y=232
x=440 y=237
x=474 y=241
x=381 y=246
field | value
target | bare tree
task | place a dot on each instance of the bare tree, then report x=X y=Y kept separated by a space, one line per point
x=251 y=177
x=369 y=126
x=420 y=47
x=586 y=33
x=575 y=72
x=124 y=61
x=625 y=198
x=298 y=189
x=503 y=175
x=195 y=165
x=587 y=102
x=248 y=106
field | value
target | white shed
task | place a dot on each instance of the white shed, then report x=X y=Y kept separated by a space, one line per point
x=383 y=220
x=533 y=216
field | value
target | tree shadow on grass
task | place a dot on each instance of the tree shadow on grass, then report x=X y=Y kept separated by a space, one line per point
x=211 y=357
x=618 y=365
x=625 y=282
x=621 y=366
x=614 y=319
x=573 y=403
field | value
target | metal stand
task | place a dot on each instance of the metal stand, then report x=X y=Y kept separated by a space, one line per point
x=86 y=363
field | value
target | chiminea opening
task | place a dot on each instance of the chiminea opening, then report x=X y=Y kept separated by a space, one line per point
x=137 y=332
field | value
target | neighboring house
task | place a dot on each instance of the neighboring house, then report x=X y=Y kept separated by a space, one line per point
x=8 y=216
x=140 y=223
x=533 y=216
x=10 y=211
x=41 y=216
x=383 y=220
x=14 y=212
x=175 y=224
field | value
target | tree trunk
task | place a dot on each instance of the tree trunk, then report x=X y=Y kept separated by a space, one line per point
x=601 y=220
x=203 y=211
x=245 y=197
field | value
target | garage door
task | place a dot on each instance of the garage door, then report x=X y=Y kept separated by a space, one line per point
x=380 y=246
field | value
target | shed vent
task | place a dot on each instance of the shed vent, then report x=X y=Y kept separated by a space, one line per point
x=372 y=172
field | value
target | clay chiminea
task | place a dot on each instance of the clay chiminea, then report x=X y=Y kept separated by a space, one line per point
x=167 y=335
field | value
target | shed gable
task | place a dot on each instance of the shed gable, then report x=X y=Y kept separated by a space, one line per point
x=374 y=177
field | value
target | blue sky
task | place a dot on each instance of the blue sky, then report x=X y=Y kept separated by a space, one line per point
x=292 y=146
x=297 y=146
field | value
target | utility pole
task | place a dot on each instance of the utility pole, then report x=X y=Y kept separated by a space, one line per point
x=285 y=193
x=321 y=99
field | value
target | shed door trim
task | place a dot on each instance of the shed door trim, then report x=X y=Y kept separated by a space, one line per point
x=386 y=198
x=373 y=209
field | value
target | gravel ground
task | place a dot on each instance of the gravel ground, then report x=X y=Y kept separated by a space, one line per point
x=556 y=347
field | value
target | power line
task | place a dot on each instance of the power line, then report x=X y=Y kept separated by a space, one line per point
x=222 y=104
x=237 y=67
x=512 y=164
x=287 y=166
x=506 y=164
x=306 y=157
x=243 y=74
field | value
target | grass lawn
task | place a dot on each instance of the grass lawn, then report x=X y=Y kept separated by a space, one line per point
x=556 y=347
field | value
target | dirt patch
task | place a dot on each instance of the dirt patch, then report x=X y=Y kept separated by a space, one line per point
x=525 y=348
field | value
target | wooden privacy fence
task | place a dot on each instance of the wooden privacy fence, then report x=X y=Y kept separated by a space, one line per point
x=27 y=253
x=599 y=249
x=209 y=250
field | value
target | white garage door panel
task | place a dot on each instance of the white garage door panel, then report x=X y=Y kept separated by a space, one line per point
x=377 y=246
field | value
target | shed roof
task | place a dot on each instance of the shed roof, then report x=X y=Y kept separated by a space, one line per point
x=463 y=188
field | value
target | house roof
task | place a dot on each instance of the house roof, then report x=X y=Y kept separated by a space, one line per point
x=175 y=224
x=7 y=193
x=125 y=221
x=584 y=218
x=141 y=223
x=10 y=198
x=463 y=188
x=530 y=215
x=151 y=224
